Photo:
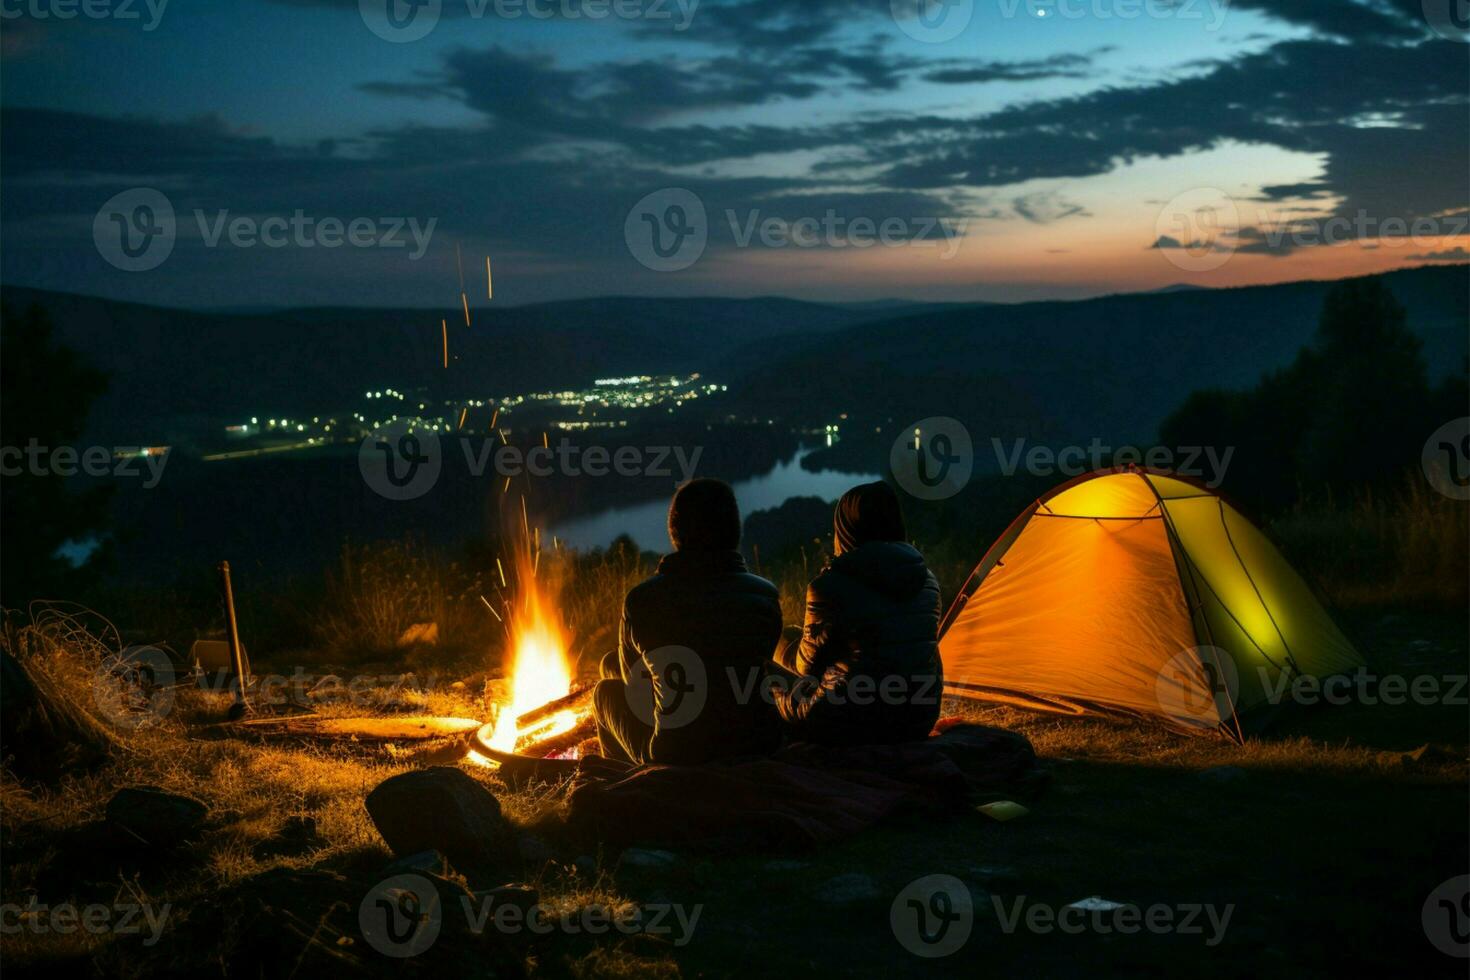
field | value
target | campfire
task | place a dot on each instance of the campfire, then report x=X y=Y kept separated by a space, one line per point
x=545 y=715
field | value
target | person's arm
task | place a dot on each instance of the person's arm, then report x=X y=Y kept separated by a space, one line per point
x=629 y=656
x=821 y=639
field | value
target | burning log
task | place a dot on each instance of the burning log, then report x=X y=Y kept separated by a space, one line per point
x=571 y=702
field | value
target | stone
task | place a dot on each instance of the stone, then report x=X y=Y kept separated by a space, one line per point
x=443 y=809
x=148 y=816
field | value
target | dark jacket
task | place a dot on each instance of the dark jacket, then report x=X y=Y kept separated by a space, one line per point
x=705 y=626
x=869 y=650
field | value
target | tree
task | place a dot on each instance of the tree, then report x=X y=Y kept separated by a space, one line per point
x=1351 y=410
x=46 y=391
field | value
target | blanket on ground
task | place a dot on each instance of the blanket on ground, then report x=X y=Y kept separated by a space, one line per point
x=803 y=796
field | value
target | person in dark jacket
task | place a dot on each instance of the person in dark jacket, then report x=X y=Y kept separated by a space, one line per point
x=684 y=685
x=868 y=655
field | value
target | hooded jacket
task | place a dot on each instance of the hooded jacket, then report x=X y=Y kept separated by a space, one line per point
x=704 y=628
x=869 y=649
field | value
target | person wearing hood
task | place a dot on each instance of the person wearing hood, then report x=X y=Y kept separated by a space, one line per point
x=694 y=642
x=868 y=655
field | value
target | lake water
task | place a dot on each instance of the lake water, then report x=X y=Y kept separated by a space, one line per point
x=647 y=524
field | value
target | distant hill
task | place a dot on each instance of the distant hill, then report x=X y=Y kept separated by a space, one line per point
x=1066 y=372
x=1110 y=367
x=187 y=365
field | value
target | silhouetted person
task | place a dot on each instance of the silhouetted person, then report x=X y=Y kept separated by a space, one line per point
x=868 y=654
x=683 y=686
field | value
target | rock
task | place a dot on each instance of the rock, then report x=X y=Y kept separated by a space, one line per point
x=848 y=889
x=443 y=809
x=297 y=836
x=1222 y=774
x=148 y=816
x=637 y=857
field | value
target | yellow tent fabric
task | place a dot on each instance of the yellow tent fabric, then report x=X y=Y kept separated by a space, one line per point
x=1138 y=593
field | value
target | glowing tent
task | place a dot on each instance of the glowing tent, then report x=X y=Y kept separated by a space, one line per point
x=1139 y=593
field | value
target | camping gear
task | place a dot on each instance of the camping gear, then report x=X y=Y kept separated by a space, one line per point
x=1140 y=593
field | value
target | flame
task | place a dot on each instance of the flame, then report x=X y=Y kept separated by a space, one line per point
x=541 y=670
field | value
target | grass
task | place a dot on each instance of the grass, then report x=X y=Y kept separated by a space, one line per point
x=1325 y=842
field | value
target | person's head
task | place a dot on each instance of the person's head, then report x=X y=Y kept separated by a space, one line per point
x=867 y=512
x=703 y=516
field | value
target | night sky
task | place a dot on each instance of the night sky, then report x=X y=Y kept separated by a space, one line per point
x=1034 y=154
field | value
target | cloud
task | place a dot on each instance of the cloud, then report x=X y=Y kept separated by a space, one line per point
x=1456 y=254
x=979 y=72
